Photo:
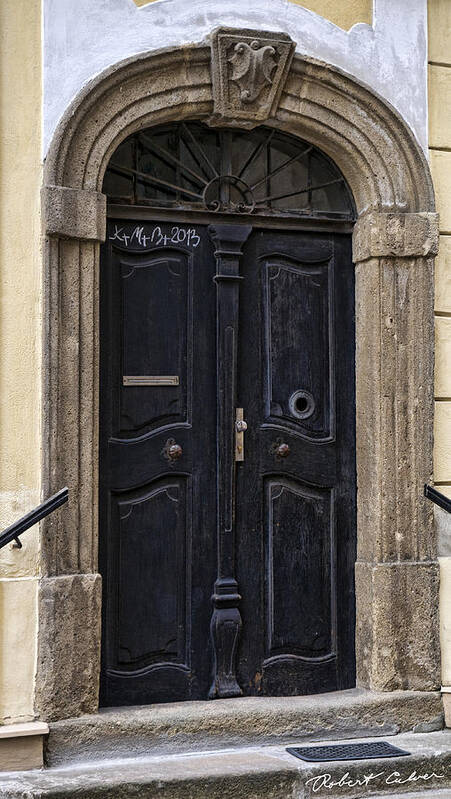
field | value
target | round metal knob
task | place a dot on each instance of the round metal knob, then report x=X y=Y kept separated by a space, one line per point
x=282 y=450
x=174 y=452
x=240 y=426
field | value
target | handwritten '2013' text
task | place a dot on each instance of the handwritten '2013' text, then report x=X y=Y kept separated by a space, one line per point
x=139 y=236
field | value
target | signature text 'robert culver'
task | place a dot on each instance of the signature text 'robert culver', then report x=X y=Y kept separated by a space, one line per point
x=327 y=781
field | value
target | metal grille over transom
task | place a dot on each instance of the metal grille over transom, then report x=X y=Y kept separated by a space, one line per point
x=189 y=165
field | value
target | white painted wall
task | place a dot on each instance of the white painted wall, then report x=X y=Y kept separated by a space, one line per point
x=83 y=38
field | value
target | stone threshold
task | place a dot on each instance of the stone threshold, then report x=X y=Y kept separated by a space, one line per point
x=265 y=772
x=247 y=721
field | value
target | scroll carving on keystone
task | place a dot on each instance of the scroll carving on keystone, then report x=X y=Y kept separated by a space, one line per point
x=249 y=69
x=253 y=65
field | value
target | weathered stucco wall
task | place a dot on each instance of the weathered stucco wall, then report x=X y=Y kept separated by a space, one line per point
x=20 y=345
x=439 y=75
x=82 y=39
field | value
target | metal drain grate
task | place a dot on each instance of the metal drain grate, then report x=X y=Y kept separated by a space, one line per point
x=366 y=751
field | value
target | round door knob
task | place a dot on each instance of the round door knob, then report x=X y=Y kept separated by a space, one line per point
x=174 y=452
x=240 y=426
x=282 y=450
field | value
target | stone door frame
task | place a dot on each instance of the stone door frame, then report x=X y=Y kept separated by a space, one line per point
x=394 y=242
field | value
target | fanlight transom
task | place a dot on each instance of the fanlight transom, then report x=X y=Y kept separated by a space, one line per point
x=189 y=165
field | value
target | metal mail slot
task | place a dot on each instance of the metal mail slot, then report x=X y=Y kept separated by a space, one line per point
x=150 y=380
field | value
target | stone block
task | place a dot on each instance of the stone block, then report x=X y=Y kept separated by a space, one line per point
x=236 y=100
x=442 y=357
x=443 y=276
x=439 y=95
x=395 y=235
x=254 y=721
x=442 y=442
x=394 y=390
x=397 y=634
x=69 y=646
x=74 y=213
x=440 y=163
x=21 y=746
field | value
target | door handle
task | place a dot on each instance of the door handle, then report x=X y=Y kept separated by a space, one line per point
x=279 y=449
x=172 y=451
x=240 y=428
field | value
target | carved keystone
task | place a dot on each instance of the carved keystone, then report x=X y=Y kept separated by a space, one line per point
x=248 y=69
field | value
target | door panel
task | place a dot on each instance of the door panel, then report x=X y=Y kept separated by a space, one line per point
x=155 y=296
x=154 y=523
x=157 y=514
x=296 y=485
x=297 y=315
x=299 y=534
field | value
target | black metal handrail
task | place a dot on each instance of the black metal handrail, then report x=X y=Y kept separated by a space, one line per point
x=437 y=497
x=13 y=532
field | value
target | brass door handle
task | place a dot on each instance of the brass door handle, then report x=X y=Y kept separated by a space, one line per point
x=240 y=428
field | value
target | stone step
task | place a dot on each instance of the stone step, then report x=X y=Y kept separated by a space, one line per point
x=264 y=772
x=248 y=721
x=425 y=794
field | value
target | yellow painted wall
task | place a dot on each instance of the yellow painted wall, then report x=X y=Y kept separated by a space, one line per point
x=18 y=635
x=439 y=79
x=20 y=344
x=344 y=13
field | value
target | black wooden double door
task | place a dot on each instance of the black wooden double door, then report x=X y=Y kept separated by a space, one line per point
x=227 y=555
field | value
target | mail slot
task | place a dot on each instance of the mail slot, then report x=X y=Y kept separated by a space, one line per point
x=150 y=380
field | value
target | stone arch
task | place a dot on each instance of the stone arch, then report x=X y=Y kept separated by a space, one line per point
x=369 y=141
x=395 y=239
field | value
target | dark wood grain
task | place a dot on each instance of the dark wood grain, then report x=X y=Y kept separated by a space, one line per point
x=157 y=515
x=296 y=514
x=224 y=578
